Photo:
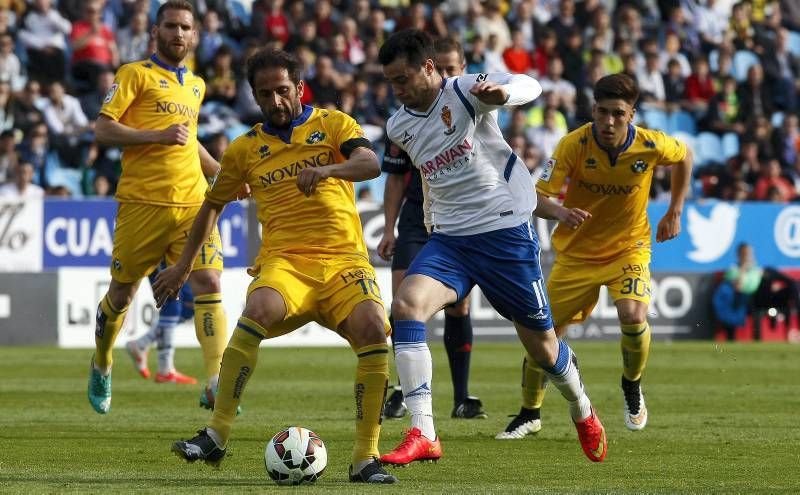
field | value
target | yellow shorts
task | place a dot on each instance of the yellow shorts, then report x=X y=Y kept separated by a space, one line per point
x=322 y=290
x=574 y=285
x=146 y=234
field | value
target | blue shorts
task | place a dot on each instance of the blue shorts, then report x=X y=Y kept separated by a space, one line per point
x=503 y=263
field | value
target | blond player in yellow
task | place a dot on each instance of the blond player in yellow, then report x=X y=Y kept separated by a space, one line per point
x=151 y=112
x=603 y=237
x=313 y=265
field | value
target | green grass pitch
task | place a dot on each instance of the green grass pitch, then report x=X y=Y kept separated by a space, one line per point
x=723 y=419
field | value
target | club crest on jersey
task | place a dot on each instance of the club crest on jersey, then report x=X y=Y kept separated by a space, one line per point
x=315 y=137
x=264 y=151
x=447 y=118
x=111 y=92
x=163 y=83
x=196 y=91
x=406 y=138
x=639 y=167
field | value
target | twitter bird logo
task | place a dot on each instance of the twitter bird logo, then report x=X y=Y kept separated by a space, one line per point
x=712 y=237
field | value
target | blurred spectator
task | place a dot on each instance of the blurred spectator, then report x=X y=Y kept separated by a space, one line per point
x=723 y=109
x=59 y=191
x=741 y=26
x=672 y=47
x=564 y=22
x=6 y=110
x=476 y=57
x=67 y=123
x=354 y=46
x=699 y=89
x=547 y=136
x=269 y=22
x=325 y=17
x=674 y=85
x=246 y=107
x=782 y=68
x=684 y=29
x=22 y=187
x=770 y=179
x=786 y=141
x=133 y=39
x=92 y=101
x=754 y=98
x=493 y=61
x=746 y=165
x=794 y=176
x=212 y=38
x=326 y=84
x=104 y=168
x=43 y=36
x=338 y=54
x=545 y=50
x=306 y=35
x=526 y=24
x=10 y=67
x=94 y=48
x=572 y=57
x=35 y=149
x=27 y=106
x=516 y=57
x=563 y=90
x=493 y=23
x=790 y=10
x=376 y=30
x=629 y=23
x=651 y=84
x=8 y=155
x=518 y=124
x=660 y=187
x=710 y=25
x=760 y=130
x=220 y=77
x=600 y=26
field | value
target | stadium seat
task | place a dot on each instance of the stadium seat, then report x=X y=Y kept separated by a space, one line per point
x=794 y=43
x=71 y=178
x=730 y=145
x=742 y=60
x=709 y=148
x=681 y=121
x=242 y=9
x=235 y=131
x=655 y=119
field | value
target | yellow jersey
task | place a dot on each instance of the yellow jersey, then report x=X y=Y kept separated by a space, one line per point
x=614 y=192
x=150 y=94
x=326 y=224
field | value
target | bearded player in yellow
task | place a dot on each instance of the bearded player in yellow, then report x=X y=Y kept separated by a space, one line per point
x=603 y=236
x=313 y=264
x=151 y=112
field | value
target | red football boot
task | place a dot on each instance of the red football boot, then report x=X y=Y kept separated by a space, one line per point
x=415 y=447
x=593 y=437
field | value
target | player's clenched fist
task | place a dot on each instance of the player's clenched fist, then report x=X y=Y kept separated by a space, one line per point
x=489 y=92
x=175 y=134
x=308 y=179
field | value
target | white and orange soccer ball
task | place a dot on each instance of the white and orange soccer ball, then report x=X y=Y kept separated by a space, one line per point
x=295 y=455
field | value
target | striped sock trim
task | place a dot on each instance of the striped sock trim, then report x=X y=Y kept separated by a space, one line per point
x=634 y=330
x=208 y=299
x=251 y=327
x=408 y=332
x=562 y=361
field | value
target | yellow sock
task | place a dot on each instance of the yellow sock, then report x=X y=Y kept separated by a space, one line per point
x=372 y=378
x=534 y=384
x=238 y=365
x=635 y=345
x=211 y=331
x=109 y=322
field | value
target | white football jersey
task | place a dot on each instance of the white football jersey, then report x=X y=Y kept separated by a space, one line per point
x=473 y=181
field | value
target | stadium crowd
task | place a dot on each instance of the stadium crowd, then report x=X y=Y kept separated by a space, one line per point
x=722 y=75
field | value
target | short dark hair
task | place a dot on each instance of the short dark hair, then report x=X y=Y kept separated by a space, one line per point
x=447 y=45
x=413 y=45
x=173 y=5
x=616 y=87
x=269 y=57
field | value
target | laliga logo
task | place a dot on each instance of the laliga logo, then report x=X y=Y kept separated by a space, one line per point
x=712 y=237
x=787 y=231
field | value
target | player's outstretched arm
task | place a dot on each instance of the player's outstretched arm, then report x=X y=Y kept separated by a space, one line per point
x=507 y=90
x=109 y=132
x=550 y=210
x=169 y=282
x=362 y=165
x=392 y=201
x=670 y=224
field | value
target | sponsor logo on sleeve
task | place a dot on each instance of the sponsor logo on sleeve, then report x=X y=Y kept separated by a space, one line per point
x=548 y=170
x=111 y=92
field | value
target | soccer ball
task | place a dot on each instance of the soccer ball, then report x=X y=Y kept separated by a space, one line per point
x=295 y=455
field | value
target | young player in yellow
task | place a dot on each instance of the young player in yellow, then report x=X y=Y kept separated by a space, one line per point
x=151 y=112
x=603 y=237
x=313 y=264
